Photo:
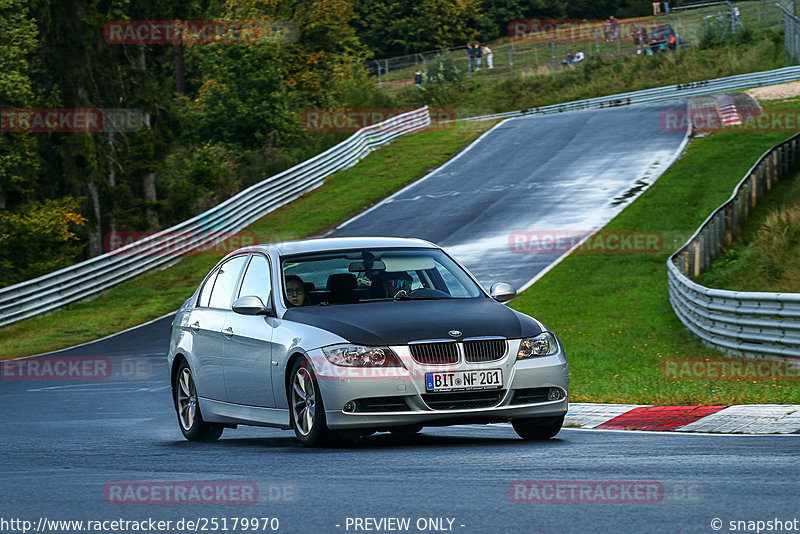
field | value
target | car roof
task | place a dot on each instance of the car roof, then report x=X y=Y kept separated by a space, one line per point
x=325 y=244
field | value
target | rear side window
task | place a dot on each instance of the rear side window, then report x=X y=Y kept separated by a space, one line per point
x=225 y=284
x=205 y=293
x=257 y=280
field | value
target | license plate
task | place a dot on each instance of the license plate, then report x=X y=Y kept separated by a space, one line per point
x=464 y=380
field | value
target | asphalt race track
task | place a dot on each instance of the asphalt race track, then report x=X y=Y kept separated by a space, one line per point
x=500 y=206
x=67 y=445
x=65 y=442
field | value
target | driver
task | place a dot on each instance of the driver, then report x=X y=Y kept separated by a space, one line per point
x=295 y=290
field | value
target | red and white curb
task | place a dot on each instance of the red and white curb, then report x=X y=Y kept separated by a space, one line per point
x=728 y=111
x=740 y=419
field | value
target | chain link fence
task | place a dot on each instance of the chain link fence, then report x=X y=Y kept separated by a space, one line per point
x=543 y=47
x=791 y=28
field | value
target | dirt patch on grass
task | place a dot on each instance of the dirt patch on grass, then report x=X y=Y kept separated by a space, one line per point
x=776 y=92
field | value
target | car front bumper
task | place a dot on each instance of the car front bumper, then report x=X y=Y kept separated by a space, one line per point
x=526 y=384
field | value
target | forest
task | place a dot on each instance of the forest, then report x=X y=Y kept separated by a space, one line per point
x=101 y=134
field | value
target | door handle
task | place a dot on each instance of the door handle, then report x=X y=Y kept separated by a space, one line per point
x=228 y=332
x=195 y=326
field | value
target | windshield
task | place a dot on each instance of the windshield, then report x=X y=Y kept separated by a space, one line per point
x=356 y=276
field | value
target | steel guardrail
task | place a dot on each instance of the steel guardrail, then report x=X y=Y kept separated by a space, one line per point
x=87 y=278
x=660 y=94
x=90 y=277
x=737 y=322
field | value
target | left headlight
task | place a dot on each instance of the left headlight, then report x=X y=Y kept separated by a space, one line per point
x=358 y=356
x=544 y=344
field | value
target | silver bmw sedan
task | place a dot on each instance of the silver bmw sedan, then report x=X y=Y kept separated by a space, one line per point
x=343 y=337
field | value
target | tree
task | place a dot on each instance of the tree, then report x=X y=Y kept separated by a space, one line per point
x=397 y=27
x=18 y=41
x=499 y=14
x=38 y=239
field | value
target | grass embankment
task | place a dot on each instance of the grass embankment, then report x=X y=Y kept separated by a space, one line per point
x=612 y=311
x=594 y=78
x=766 y=257
x=540 y=53
x=154 y=294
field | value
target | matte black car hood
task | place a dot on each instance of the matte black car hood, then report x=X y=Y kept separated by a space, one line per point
x=398 y=322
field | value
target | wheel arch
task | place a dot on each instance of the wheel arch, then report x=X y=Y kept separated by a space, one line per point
x=173 y=374
x=290 y=361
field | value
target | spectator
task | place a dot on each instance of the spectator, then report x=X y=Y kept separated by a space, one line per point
x=489 y=57
x=471 y=57
x=418 y=79
x=607 y=29
x=614 y=28
x=578 y=58
x=673 y=41
x=478 y=54
x=570 y=60
x=656 y=7
x=656 y=45
x=637 y=38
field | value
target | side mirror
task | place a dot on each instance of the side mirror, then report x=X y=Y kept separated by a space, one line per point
x=250 y=305
x=502 y=293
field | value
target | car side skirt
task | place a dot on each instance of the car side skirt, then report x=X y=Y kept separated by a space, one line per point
x=224 y=412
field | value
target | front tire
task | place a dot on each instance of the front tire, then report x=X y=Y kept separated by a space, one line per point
x=306 y=406
x=538 y=429
x=193 y=427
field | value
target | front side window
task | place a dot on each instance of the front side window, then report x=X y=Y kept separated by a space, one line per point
x=357 y=276
x=225 y=284
x=256 y=280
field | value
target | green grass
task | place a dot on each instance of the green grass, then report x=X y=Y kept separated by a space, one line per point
x=534 y=55
x=146 y=297
x=766 y=257
x=597 y=78
x=612 y=311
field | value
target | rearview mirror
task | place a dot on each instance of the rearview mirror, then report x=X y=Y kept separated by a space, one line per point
x=250 y=305
x=503 y=293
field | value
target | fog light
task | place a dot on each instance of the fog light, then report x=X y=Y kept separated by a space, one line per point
x=350 y=407
x=554 y=394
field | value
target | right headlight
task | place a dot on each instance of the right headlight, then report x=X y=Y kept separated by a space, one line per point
x=544 y=344
x=359 y=356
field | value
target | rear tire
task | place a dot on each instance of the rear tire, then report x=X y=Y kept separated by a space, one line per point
x=190 y=420
x=538 y=429
x=306 y=407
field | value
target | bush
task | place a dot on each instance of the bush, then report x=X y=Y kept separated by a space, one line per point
x=38 y=239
